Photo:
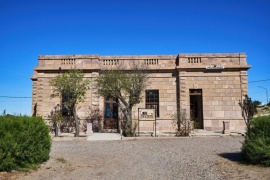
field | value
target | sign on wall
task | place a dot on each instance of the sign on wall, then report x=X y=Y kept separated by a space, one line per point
x=215 y=67
x=147 y=114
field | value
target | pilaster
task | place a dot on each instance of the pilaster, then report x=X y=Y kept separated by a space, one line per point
x=184 y=99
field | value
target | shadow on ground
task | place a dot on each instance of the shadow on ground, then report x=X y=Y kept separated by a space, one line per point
x=235 y=156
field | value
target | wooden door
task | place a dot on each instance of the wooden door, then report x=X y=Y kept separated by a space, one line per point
x=110 y=113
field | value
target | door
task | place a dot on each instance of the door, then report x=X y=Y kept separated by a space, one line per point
x=196 y=107
x=110 y=113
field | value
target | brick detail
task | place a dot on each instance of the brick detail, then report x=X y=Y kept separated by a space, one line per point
x=244 y=82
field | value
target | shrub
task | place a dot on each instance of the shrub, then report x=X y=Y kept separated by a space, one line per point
x=256 y=147
x=266 y=108
x=24 y=142
x=182 y=124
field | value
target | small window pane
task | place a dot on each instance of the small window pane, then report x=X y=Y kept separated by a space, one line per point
x=107 y=110
x=152 y=100
x=115 y=110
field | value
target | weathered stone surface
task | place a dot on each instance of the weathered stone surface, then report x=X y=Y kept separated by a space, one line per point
x=222 y=79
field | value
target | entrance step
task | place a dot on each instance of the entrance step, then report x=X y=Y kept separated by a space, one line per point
x=103 y=137
x=203 y=132
x=146 y=134
x=108 y=131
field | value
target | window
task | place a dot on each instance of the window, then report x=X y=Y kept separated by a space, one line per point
x=152 y=100
x=65 y=110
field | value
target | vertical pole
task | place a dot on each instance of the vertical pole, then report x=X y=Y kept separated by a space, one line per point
x=155 y=124
x=266 y=93
x=267 y=96
x=139 y=122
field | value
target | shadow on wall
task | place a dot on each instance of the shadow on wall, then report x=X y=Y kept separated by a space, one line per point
x=93 y=116
x=35 y=110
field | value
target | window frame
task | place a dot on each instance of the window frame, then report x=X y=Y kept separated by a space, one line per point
x=152 y=102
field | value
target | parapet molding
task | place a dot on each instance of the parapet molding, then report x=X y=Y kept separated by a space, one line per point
x=54 y=57
x=220 y=55
x=181 y=62
x=212 y=61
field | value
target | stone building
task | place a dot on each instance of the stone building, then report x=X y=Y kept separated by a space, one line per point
x=207 y=87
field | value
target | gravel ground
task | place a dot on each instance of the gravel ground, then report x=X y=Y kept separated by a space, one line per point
x=160 y=158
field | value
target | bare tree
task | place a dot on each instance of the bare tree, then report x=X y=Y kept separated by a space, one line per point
x=126 y=86
x=247 y=109
x=71 y=86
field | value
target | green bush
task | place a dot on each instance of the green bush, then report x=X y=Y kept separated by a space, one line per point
x=256 y=147
x=24 y=142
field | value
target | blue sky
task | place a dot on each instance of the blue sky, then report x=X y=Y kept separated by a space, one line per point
x=127 y=27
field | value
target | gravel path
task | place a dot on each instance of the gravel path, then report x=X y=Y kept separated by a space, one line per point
x=161 y=158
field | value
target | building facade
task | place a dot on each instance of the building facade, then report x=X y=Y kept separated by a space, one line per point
x=207 y=87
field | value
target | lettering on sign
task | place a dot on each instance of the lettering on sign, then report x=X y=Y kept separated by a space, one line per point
x=147 y=114
x=215 y=67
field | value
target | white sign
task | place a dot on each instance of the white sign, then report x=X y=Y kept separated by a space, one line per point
x=147 y=114
x=215 y=67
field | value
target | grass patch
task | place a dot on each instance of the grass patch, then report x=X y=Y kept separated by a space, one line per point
x=61 y=160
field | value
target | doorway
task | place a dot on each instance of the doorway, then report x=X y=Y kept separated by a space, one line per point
x=196 y=107
x=110 y=113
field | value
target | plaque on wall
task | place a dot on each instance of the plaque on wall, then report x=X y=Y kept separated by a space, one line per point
x=147 y=114
x=215 y=67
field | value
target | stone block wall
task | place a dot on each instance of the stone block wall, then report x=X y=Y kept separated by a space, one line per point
x=166 y=83
x=221 y=93
x=221 y=77
x=222 y=85
x=45 y=104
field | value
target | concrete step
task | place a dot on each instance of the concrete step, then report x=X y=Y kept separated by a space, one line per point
x=104 y=137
